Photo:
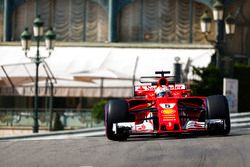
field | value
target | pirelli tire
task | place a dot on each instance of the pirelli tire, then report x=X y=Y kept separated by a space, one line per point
x=115 y=111
x=217 y=108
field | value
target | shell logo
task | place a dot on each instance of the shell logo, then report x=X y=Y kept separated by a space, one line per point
x=168 y=111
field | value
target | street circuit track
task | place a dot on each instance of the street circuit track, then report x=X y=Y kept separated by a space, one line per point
x=195 y=151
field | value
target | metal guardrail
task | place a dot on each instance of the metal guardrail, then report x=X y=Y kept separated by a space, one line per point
x=70 y=118
x=88 y=132
x=238 y=120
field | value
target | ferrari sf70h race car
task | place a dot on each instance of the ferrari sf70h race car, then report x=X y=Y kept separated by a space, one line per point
x=160 y=106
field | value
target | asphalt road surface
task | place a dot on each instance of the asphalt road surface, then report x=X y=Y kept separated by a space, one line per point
x=186 y=151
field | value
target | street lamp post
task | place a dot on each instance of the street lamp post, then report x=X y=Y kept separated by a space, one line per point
x=37 y=59
x=229 y=28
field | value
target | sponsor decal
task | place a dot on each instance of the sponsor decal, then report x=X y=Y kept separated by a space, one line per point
x=195 y=124
x=144 y=88
x=145 y=126
x=177 y=87
x=167 y=105
x=169 y=117
x=167 y=120
x=168 y=111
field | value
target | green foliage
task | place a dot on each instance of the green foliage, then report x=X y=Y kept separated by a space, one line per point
x=98 y=110
x=210 y=82
x=57 y=123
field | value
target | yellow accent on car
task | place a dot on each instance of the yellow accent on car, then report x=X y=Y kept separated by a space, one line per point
x=168 y=111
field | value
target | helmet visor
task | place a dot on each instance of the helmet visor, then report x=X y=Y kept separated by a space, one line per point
x=161 y=94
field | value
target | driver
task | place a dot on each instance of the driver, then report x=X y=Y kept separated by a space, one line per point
x=162 y=91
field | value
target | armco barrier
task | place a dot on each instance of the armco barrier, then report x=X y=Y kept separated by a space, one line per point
x=59 y=134
x=238 y=120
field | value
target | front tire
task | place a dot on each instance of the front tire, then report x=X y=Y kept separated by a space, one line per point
x=217 y=108
x=116 y=111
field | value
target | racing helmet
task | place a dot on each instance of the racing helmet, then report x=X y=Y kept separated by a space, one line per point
x=162 y=91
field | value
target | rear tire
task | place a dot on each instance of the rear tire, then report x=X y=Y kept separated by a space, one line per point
x=116 y=111
x=217 y=108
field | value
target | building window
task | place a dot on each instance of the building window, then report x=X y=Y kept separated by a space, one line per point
x=74 y=20
x=161 y=21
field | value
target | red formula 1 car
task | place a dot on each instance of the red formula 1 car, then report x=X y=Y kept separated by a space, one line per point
x=160 y=106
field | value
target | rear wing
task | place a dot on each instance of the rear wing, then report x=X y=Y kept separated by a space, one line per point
x=177 y=86
x=148 y=89
x=143 y=90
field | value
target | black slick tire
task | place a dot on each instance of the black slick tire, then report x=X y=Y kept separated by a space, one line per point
x=217 y=108
x=115 y=111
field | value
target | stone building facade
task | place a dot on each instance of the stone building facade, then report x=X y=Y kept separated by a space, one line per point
x=140 y=21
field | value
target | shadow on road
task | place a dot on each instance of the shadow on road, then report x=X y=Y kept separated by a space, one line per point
x=151 y=137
